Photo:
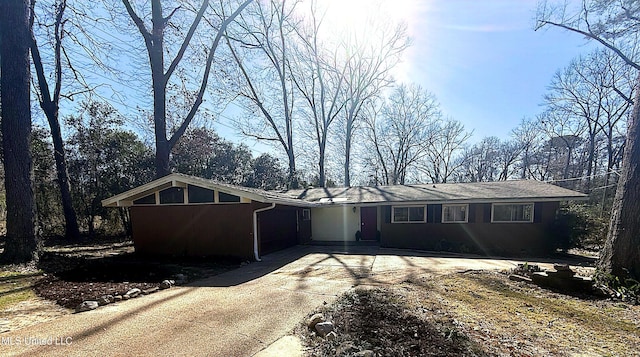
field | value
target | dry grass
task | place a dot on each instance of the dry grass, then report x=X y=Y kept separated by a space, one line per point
x=16 y=286
x=535 y=321
x=484 y=313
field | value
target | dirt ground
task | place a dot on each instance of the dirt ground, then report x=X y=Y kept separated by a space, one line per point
x=69 y=273
x=475 y=314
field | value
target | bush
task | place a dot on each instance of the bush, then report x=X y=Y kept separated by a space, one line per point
x=580 y=226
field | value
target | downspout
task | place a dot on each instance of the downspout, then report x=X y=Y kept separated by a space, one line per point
x=255 y=229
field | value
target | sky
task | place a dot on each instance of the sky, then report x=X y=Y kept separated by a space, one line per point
x=483 y=60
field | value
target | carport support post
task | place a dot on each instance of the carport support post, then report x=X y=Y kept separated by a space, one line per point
x=255 y=229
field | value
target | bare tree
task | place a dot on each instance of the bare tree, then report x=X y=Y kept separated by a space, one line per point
x=441 y=159
x=22 y=243
x=615 y=24
x=50 y=104
x=508 y=153
x=564 y=136
x=528 y=136
x=161 y=74
x=262 y=51
x=480 y=162
x=367 y=72
x=589 y=90
x=401 y=129
x=319 y=75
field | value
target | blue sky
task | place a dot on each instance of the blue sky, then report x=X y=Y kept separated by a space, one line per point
x=483 y=60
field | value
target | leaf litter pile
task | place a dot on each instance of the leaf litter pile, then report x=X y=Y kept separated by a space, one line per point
x=474 y=314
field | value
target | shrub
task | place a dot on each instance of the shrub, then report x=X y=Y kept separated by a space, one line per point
x=580 y=226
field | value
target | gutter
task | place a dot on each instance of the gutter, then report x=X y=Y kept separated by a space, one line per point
x=255 y=229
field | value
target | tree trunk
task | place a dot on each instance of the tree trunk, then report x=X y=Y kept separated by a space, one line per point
x=50 y=106
x=125 y=219
x=156 y=59
x=620 y=255
x=322 y=180
x=347 y=156
x=590 y=162
x=347 y=165
x=293 y=176
x=70 y=218
x=21 y=243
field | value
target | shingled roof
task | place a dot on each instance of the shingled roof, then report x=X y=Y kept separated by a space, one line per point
x=498 y=191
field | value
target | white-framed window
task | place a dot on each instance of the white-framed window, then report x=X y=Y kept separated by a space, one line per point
x=408 y=214
x=512 y=212
x=455 y=213
x=306 y=214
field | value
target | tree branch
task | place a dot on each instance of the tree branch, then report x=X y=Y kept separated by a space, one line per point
x=594 y=37
x=139 y=23
x=58 y=31
x=45 y=94
x=166 y=19
x=187 y=39
x=259 y=137
x=194 y=108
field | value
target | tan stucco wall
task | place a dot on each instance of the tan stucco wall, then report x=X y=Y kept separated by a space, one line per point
x=335 y=223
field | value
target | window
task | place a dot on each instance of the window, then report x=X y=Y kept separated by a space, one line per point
x=146 y=200
x=172 y=195
x=408 y=214
x=455 y=213
x=306 y=214
x=225 y=197
x=512 y=212
x=200 y=195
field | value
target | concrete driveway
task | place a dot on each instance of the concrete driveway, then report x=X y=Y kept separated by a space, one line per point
x=237 y=313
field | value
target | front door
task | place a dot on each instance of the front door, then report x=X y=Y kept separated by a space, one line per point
x=369 y=222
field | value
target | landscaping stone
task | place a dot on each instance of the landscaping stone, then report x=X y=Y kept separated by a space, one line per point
x=87 y=305
x=315 y=319
x=117 y=298
x=323 y=328
x=516 y=277
x=126 y=297
x=365 y=353
x=150 y=290
x=331 y=336
x=133 y=292
x=562 y=281
x=105 y=300
x=561 y=267
x=166 y=284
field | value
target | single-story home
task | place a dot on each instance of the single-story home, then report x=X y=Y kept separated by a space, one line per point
x=182 y=215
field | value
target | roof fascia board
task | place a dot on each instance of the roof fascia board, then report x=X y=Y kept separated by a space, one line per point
x=464 y=201
x=138 y=191
x=179 y=180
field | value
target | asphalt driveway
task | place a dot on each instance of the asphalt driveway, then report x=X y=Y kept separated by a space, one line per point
x=237 y=313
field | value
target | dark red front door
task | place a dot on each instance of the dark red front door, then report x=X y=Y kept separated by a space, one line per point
x=368 y=222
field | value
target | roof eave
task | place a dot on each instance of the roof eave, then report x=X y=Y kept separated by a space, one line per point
x=454 y=201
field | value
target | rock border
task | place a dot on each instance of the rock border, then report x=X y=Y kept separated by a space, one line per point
x=88 y=305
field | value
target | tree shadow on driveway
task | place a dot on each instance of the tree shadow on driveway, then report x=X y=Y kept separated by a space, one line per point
x=364 y=264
